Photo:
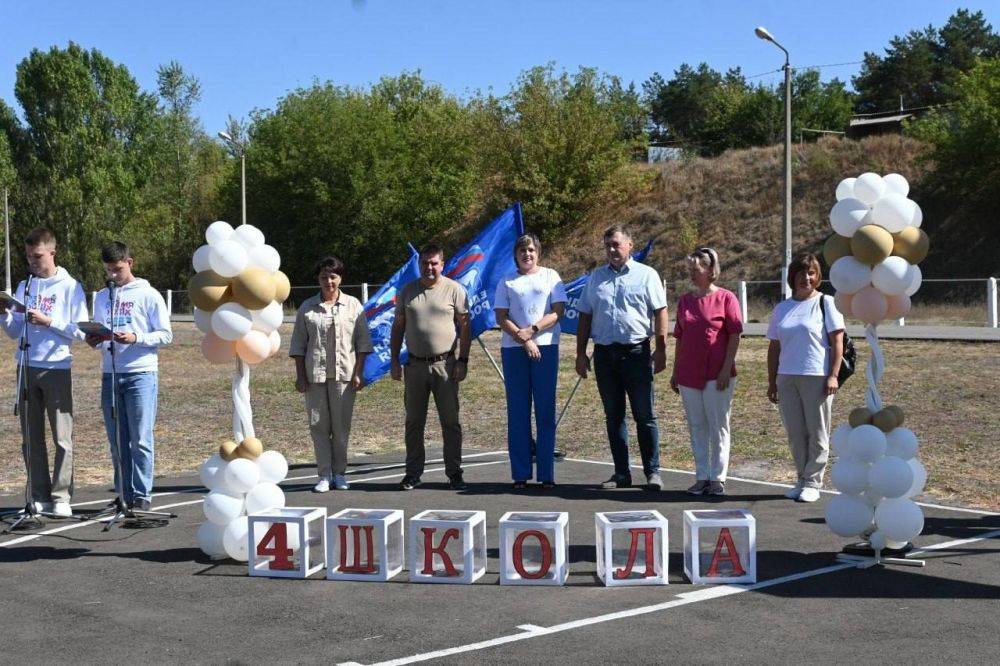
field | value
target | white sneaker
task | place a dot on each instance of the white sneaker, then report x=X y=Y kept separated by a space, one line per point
x=793 y=493
x=62 y=509
x=808 y=495
x=340 y=483
x=323 y=486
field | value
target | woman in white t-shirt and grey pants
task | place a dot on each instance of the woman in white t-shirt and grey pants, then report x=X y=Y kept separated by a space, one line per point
x=803 y=360
x=528 y=305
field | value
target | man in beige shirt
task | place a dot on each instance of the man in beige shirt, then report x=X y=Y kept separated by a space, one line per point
x=329 y=344
x=432 y=315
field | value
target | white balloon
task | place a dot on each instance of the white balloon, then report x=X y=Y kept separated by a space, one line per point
x=900 y=519
x=848 y=515
x=211 y=472
x=918 y=215
x=231 y=321
x=901 y=443
x=877 y=540
x=866 y=442
x=871 y=498
x=848 y=215
x=221 y=507
x=228 y=258
x=890 y=476
x=839 y=440
x=893 y=212
x=892 y=276
x=242 y=474
x=845 y=189
x=268 y=319
x=248 y=236
x=217 y=232
x=265 y=257
x=200 y=258
x=896 y=183
x=895 y=545
x=869 y=188
x=850 y=275
x=849 y=476
x=234 y=539
x=275 y=342
x=919 y=477
x=210 y=540
x=203 y=320
x=916 y=277
x=264 y=496
x=273 y=467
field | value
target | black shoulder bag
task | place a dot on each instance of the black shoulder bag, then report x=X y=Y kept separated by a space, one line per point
x=849 y=363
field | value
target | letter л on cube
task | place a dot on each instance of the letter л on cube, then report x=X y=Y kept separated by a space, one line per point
x=631 y=547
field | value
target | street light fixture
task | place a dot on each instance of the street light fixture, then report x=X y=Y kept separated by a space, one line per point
x=239 y=149
x=762 y=32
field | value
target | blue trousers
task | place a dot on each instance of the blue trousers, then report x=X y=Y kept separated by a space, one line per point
x=135 y=398
x=528 y=382
x=627 y=370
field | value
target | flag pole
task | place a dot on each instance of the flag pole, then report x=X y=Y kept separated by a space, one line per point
x=490 y=356
x=6 y=241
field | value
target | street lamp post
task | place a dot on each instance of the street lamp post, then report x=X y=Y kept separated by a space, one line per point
x=238 y=147
x=766 y=36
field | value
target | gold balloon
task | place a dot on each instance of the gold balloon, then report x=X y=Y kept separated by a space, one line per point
x=898 y=411
x=885 y=420
x=836 y=246
x=250 y=448
x=228 y=450
x=208 y=290
x=871 y=244
x=859 y=417
x=282 y=287
x=911 y=244
x=253 y=288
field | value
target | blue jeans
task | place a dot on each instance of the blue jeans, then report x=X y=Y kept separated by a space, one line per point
x=627 y=370
x=530 y=381
x=135 y=399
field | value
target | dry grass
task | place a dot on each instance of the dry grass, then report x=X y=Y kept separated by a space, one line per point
x=949 y=391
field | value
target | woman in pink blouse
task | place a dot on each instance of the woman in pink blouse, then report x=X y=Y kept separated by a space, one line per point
x=708 y=334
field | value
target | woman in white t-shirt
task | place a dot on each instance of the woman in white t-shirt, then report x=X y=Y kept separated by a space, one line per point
x=803 y=360
x=528 y=305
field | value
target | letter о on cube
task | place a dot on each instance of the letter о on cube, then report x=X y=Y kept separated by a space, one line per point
x=364 y=544
x=286 y=542
x=720 y=546
x=631 y=547
x=534 y=548
x=447 y=546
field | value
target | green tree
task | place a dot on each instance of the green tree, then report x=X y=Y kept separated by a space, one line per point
x=678 y=107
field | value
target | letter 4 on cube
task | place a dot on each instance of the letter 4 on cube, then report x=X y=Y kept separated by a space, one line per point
x=631 y=547
x=283 y=543
x=534 y=548
x=720 y=546
x=364 y=544
x=447 y=546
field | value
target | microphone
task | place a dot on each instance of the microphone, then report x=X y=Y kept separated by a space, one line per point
x=110 y=284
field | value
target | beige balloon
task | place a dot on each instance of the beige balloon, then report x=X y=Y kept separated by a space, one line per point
x=836 y=246
x=911 y=244
x=254 y=288
x=228 y=450
x=900 y=414
x=885 y=420
x=208 y=290
x=282 y=287
x=859 y=416
x=871 y=244
x=250 y=448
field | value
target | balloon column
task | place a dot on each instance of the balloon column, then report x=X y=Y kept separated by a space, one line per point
x=873 y=257
x=237 y=294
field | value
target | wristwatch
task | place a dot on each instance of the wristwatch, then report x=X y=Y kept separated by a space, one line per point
x=534 y=328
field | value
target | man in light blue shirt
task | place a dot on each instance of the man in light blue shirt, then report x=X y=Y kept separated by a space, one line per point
x=622 y=306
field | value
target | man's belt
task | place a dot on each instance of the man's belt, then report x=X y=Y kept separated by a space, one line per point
x=625 y=346
x=432 y=359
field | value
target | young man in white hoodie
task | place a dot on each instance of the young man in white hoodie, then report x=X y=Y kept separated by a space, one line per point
x=140 y=324
x=54 y=303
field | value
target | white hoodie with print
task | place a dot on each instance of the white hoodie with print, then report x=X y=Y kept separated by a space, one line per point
x=60 y=297
x=138 y=309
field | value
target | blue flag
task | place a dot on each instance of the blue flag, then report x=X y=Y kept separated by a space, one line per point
x=483 y=262
x=380 y=311
x=574 y=290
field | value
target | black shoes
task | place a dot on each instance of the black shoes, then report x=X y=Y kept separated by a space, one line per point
x=457 y=482
x=617 y=481
x=409 y=482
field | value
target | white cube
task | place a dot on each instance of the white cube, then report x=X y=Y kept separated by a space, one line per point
x=631 y=547
x=364 y=544
x=720 y=546
x=534 y=548
x=447 y=546
x=286 y=542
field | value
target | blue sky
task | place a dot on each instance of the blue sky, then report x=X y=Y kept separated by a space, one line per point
x=248 y=54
